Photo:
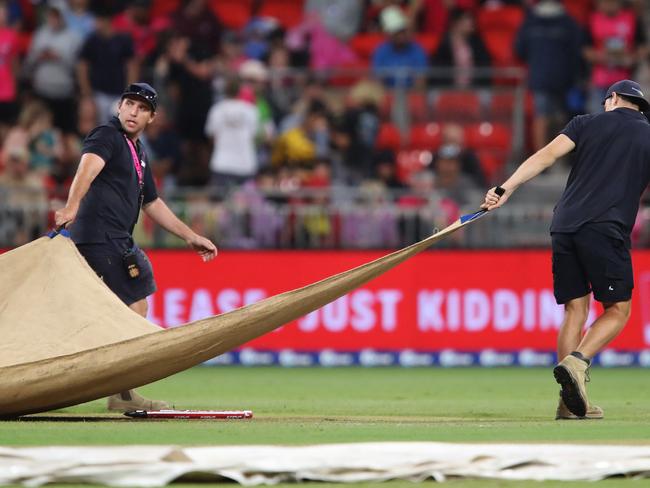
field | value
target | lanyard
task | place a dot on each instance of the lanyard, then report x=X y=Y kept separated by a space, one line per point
x=136 y=161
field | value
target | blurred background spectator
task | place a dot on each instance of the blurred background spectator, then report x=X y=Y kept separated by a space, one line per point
x=232 y=125
x=616 y=43
x=51 y=64
x=399 y=60
x=463 y=50
x=549 y=41
x=107 y=64
x=9 y=66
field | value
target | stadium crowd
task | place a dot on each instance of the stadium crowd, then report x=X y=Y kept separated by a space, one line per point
x=398 y=105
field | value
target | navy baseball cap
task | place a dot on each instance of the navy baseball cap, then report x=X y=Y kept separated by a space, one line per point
x=630 y=89
x=143 y=91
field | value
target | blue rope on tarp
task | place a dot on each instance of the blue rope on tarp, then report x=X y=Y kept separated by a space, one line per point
x=53 y=233
x=472 y=216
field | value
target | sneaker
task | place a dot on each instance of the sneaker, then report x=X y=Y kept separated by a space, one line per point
x=130 y=400
x=563 y=413
x=572 y=374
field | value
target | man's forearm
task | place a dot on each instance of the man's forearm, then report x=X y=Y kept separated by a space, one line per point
x=161 y=214
x=530 y=168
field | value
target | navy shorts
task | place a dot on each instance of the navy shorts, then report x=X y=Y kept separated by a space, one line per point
x=106 y=260
x=592 y=259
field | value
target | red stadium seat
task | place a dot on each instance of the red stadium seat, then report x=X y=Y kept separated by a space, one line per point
x=426 y=136
x=386 y=107
x=458 y=106
x=417 y=106
x=498 y=28
x=412 y=161
x=492 y=163
x=234 y=14
x=579 y=10
x=502 y=105
x=389 y=137
x=487 y=135
x=164 y=8
x=24 y=41
x=429 y=42
x=288 y=12
x=365 y=44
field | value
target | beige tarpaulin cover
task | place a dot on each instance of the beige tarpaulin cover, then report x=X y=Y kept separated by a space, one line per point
x=356 y=462
x=67 y=339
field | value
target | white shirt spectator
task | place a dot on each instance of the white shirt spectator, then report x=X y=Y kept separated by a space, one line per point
x=233 y=125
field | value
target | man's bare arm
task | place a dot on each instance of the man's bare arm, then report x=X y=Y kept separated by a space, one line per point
x=89 y=167
x=534 y=165
x=160 y=213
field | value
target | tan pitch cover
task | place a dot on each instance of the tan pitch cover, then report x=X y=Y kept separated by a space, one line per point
x=67 y=339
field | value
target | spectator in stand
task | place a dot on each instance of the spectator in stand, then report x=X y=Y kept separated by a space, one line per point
x=51 y=62
x=232 y=125
x=25 y=196
x=107 y=64
x=616 y=44
x=190 y=75
x=231 y=54
x=137 y=22
x=301 y=145
x=18 y=136
x=358 y=131
x=386 y=171
x=312 y=91
x=8 y=70
x=257 y=36
x=450 y=180
x=324 y=50
x=198 y=23
x=453 y=142
x=254 y=88
x=434 y=14
x=45 y=144
x=398 y=61
x=35 y=135
x=550 y=42
x=341 y=18
x=79 y=18
x=462 y=49
x=15 y=15
x=164 y=149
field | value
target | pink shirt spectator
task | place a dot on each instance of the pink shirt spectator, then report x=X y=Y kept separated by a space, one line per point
x=8 y=53
x=145 y=36
x=617 y=35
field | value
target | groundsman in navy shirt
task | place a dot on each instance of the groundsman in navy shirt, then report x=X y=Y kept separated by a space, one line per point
x=112 y=184
x=591 y=230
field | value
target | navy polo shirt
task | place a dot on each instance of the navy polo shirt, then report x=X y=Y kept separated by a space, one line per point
x=111 y=207
x=610 y=172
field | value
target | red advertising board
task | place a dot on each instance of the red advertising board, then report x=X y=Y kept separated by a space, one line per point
x=438 y=300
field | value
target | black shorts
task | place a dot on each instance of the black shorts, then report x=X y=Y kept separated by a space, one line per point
x=591 y=259
x=106 y=260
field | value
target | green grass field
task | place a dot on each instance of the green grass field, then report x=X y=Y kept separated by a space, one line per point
x=305 y=406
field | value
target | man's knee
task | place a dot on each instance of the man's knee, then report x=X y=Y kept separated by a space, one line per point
x=621 y=309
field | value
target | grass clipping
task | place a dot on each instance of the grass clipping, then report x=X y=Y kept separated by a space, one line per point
x=67 y=339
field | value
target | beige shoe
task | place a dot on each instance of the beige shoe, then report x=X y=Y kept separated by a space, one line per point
x=130 y=400
x=563 y=413
x=572 y=374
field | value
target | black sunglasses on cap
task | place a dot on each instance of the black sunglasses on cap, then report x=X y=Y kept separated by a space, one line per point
x=143 y=91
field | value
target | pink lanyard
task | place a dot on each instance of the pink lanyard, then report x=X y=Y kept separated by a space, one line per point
x=136 y=160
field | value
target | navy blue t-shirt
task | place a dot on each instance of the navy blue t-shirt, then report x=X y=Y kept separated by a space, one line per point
x=107 y=59
x=610 y=172
x=111 y=207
